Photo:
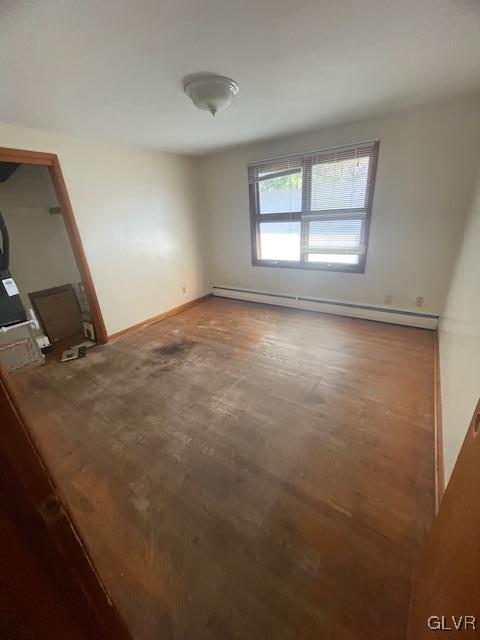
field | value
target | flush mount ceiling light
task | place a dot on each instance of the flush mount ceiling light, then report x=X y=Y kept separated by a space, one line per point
x=210 y=92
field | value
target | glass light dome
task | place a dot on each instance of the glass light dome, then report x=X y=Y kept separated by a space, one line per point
x=210 y=92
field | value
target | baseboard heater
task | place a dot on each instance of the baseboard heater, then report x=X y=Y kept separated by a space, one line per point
x=351 y=310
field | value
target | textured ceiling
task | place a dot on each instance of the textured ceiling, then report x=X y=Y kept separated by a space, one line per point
x=113 y=69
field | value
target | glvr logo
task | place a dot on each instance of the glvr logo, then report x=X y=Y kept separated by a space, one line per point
x=452 y=623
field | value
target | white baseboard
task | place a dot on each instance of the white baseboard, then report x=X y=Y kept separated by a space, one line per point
x=351 y=310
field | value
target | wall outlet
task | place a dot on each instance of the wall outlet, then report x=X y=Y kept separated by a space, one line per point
x=388 y=299
x=184 y=289
x=419 y=301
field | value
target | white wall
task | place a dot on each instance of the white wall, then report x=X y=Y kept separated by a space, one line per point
x=459 y=334
x=40 y=253
x=148 y=219
x=425 y=177
x=138 y=218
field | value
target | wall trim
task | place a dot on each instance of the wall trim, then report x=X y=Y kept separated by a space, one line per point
x=438 y=426
x=161 y=316
x=336 y=307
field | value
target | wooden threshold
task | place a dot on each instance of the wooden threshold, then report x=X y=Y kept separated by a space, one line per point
x=438 y=427
x=158 y=318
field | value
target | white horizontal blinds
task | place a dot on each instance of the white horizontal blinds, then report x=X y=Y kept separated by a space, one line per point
x=335 y=236
x=264 y=170
x=340 y=179
x=315 y=207
x=339 y=183
x=278 y=186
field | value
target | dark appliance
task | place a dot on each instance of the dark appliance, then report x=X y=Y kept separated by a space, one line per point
x=11 y=307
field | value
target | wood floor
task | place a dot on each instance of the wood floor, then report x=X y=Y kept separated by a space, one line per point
x=249 y=472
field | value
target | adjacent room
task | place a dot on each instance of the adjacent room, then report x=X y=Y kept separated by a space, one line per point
x=44 y=305
x=239 y=322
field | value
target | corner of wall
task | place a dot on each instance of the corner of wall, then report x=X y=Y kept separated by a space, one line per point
x=459 y=341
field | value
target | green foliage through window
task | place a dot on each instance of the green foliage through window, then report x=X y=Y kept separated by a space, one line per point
x=282 y=183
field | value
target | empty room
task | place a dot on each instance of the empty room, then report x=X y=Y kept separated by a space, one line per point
x=239 y=320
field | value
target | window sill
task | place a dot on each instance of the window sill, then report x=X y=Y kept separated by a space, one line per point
x=287 y=264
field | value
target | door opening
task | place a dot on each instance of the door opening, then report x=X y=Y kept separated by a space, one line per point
x=47 y=297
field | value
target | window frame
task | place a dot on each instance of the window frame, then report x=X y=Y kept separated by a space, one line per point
x=306 y=167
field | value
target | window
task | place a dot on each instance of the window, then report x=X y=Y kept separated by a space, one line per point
x=312 y=211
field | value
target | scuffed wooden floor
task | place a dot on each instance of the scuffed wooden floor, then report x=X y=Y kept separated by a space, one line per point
x=249 y=472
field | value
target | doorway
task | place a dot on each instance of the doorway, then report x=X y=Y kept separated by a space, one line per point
x=31 y=505
x=47 y=289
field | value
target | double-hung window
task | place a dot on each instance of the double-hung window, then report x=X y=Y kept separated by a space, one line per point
x=312 y=211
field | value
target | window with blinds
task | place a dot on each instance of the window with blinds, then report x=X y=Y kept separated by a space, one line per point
x=313 y=210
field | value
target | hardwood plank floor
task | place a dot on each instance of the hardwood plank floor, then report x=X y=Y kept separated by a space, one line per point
x=248 y=472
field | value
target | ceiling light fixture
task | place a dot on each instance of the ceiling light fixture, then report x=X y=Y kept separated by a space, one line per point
x=210 y=92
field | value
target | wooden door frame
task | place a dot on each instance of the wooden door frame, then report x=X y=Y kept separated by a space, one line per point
x=32 y=499
x=28 y=491
x=51 y=161
x=446 y=583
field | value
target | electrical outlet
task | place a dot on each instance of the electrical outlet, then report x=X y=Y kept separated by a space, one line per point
x=419 y=301
x=184 y=289
x=388 y=298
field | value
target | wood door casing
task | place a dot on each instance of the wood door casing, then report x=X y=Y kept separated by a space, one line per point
x=447 y=583
x=48 y=549
x=50 y=160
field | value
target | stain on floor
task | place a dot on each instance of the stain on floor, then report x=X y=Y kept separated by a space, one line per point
x=248 y=472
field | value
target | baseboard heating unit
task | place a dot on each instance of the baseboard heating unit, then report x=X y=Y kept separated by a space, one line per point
x=351 y=310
